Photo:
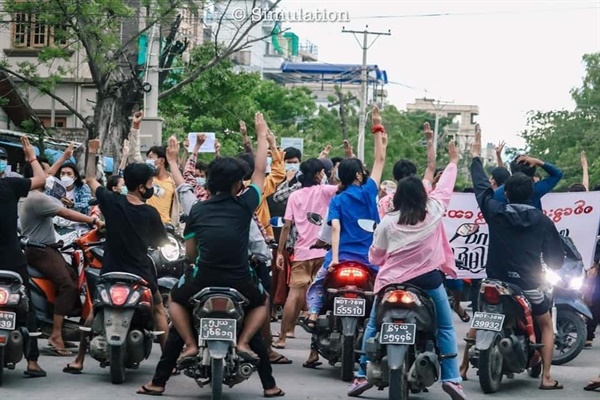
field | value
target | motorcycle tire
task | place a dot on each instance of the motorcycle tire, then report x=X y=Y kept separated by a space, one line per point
x=347 y=359
x=490 y=368
x=398 y=381
x=216 y=380
x=566 y=319
x=117 y=364
x=1 y=364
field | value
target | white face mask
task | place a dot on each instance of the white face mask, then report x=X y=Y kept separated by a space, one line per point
x=67 y=181
x=292 y=167
x=150 y=163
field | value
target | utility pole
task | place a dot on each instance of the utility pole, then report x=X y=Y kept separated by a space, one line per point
x=363 y=83
x=438 y=106
x=151 y=129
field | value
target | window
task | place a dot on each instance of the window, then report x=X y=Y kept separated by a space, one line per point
x=59 y=122
x=27 y=33
x=474 y=118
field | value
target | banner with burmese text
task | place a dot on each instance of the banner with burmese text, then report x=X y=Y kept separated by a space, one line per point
x=576 y=215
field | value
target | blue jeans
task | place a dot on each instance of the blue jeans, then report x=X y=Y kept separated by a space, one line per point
x=446 y=336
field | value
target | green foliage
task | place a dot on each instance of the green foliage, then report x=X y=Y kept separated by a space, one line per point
x=560 y=136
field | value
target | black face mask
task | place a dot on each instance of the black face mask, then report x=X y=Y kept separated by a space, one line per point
x=148 y=193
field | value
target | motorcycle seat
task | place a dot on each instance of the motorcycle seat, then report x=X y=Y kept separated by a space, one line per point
x=10 y=276
x=120 y=277
x=515 y=288
x=34 y=273
x=205 y=293
x=98 y=252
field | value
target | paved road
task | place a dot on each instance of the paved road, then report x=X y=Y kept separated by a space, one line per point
x=299 y=383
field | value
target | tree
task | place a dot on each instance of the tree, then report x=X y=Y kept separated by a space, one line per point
x=560 y=136
x=98 y=29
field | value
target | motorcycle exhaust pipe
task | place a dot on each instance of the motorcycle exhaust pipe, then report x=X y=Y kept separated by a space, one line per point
x=13 y=352
x=136 y=351
x=425 y=369
x=509 y=347
x=246 y=370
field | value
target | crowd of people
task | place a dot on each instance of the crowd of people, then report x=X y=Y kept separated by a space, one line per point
x=229 y=233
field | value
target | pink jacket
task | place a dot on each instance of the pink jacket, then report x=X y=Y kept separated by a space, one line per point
x=405 y=252
x=386 y=204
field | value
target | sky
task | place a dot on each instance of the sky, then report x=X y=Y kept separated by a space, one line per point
x=507 y=57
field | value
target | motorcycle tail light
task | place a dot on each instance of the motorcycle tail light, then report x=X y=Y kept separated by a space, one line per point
x=401 y=297
x=351 y=275
x=491 y=295
x=119 y=294
x=219 y=304
x=3 y=296
x=147 y=298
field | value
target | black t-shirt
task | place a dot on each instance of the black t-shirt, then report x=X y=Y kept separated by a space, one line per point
x=221 y=226
x=11 y=190
x=130 y=231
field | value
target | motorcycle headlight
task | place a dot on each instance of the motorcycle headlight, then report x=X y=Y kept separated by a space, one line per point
x=552 y=277
x=171 y=251
x=576 y=283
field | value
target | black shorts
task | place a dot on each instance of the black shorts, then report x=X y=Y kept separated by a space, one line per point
x=189 y=285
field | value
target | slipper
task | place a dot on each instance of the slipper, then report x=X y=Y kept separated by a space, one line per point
x=247 y=356
x=35 y=373
x=277 y=346
x=287 y=336
x=68 y=345
x=71 y=370
x=592 y=386
x=312 y=364
x=465 y=317
x=281 y=360
x=309 y=325
x=53 y=351
x=149 y=392
x=186 y=362
x=556 y=386
x=175 y=372
x=281 y=393
x=300 y=320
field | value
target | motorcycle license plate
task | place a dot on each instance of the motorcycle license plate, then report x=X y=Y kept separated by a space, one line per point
x=343 y=307
x=8 y=320
x=217 y=329
x=487 y=321
x=393 y=333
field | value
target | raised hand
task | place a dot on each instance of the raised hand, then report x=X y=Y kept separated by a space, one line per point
x=584 y=162
x=348 y=150
x=93 y=146
x=375 y=116
x=243 y=129
x=28 y=149
x=260 y=125
x=217 y=148
x=500 y=147
x=271 y=139
x=69 y=151
x=200 y=139
x=428 y=132
x=137 y=119
x=476 y=145
x=453 y=155
x=173 y=150
x=325 y=151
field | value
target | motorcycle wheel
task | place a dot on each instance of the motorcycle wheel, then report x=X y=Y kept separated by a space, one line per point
x=347 y=359
x=398 y=381
x=566 y=348
x=216 y=380
x=117 y=364
x=1 y=364
x=490 y=368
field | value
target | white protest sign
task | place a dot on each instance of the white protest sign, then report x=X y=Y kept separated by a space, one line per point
x=292 y=142
x=209 y=144
x=576 y=215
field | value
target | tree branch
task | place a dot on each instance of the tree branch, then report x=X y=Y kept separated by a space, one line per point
x=49 y=93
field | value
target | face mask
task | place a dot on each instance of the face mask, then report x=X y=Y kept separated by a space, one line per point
x=201 y=181
x=124 y=190
x=67 y=180
x=49 y=183
x=151 y=163
x=292 y=167
x=148 y=193
x=3 y=164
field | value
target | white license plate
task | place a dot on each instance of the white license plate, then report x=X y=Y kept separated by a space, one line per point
x=396 y=333
x=487 y=321
x=8 y=320
x=217 y=329
x=343 y=307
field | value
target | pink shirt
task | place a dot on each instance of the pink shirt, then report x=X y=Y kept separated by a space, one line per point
x=405 y=252
x=314 y=199
x=386 y=204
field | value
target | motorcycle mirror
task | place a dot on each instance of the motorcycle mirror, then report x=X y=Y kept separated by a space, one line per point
x=367 y=225
x=276 y=222
x=314 y=219
x=467 y=230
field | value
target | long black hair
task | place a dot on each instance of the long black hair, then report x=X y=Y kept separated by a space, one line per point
x=310 y=169
x=348 y=169
x=411 y=201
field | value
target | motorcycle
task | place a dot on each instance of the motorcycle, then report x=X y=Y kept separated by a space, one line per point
x=568 y=309
x=14 y=336
x=404 y=354
x=122 y=328
x=218 y=318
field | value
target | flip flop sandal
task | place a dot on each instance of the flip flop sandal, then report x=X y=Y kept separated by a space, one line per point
x=186 y=362
x=281 y=393
x=71 y=370
x=149 y=392
x=309 y=325
x=53 y=351
x=465 y=317
x=556 y=386
x=247 y=356
x=312 y=364
x=592 y=386
x=35 y=373
x=277 y=346
x=281 y=360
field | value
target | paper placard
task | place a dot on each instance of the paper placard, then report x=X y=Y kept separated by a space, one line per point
x=292 y=142
x=58 y=191
x=209 y=144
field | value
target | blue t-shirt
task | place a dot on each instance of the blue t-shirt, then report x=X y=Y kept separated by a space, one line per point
x=351 y=205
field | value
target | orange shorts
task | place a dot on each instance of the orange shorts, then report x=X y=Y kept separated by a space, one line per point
x=303 y=272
